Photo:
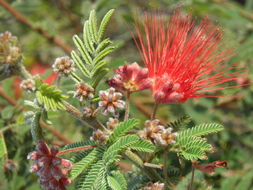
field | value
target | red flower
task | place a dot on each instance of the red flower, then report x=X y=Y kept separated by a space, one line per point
x=131 y=78
x=184 y=60
x=52 y=170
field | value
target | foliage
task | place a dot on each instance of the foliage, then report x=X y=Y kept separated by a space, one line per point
x=93 y=58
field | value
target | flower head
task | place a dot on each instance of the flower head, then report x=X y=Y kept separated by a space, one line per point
x=184 y=60
x=83 y=91
x=154 y=186
x=28 y=85
x=63 y=66
x=157 y=133
x=131 y=78
x=110 y=101
x=52 y=170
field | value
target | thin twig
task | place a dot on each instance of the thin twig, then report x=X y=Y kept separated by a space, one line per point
x=127 y=106
x=192 y=178
x=165 y=169
x=77 y=149
x=92 y=121
x=51 y=129
x=154 y=111
x=21 y=18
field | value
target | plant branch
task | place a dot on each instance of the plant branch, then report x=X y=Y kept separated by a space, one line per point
x=51 y=129
x=21 y=18
x=165 y=169
x=77 y=149
x=154 y=111
x=192 y=178
x=127 y=106
x=93 y=122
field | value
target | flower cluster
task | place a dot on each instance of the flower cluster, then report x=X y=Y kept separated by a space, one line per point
x=83 y=91
x=63 y=66
x=28 y=85
x=9 y=50
x=52 y=170
x=102 y=136
x=154 y=186
x=157 y=133
x=184 y=60
x=110 y=101
x=130 y=78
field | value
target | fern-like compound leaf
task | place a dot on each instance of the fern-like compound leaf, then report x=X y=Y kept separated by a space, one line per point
x=112 y=153
x=200 y=130
x=50 y=97
x=180 y=122
x=91 y=177
x=123 y=128
x=104 y=24
x=193 y=153
x=82 y=165
x=143 y=146
x=114 y=184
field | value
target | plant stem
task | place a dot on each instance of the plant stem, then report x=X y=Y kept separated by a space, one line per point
x=165 y=169
x=51 y=129
x=154 y=111
x=93 y=122
x=127 y=106
x=21 y=18
x=77 y=149
x=192 y=178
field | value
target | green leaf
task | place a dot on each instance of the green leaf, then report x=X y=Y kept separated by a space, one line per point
x=123 y=128
x=78 y=144
x=3 y=149
x=112 y=153
x=193 y=153
x=50 y=97
x=200 y=130
x=114 y=184
x=120 y=178
x=104 y=24
x=179 y=123
x=82 y=165
x=92 y=175
x=143 y=146
x=188 y=142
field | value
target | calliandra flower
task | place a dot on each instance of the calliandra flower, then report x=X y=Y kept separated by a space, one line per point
x=110 y=101
x=52 y=170
x=151 y=130
x=184 y=60
x=130 y=77
x=100 y=136
x=112 y=123
x=63 y=66
x=83 y=91
x=28 y=85
x=209 y=168
x=165 y=137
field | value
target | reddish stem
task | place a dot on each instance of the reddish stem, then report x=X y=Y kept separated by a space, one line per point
x=77 y=149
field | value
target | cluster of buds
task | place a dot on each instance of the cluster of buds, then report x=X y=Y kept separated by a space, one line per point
x=130 y=78
x=28 y=85
x=83 y=91
x=154 y=186
x=102 y=136
x=63 y=66
x=88 y=111
x=9 y=50
x=110 y=101
x=158 y=134
x=167 y=91
x=52 y=170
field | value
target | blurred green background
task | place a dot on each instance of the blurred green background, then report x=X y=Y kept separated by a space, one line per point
x=64 y=18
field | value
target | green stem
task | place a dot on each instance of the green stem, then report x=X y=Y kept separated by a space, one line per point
x=127 y=106
x=23 y=72
x=165 y=169
x=192 y=178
